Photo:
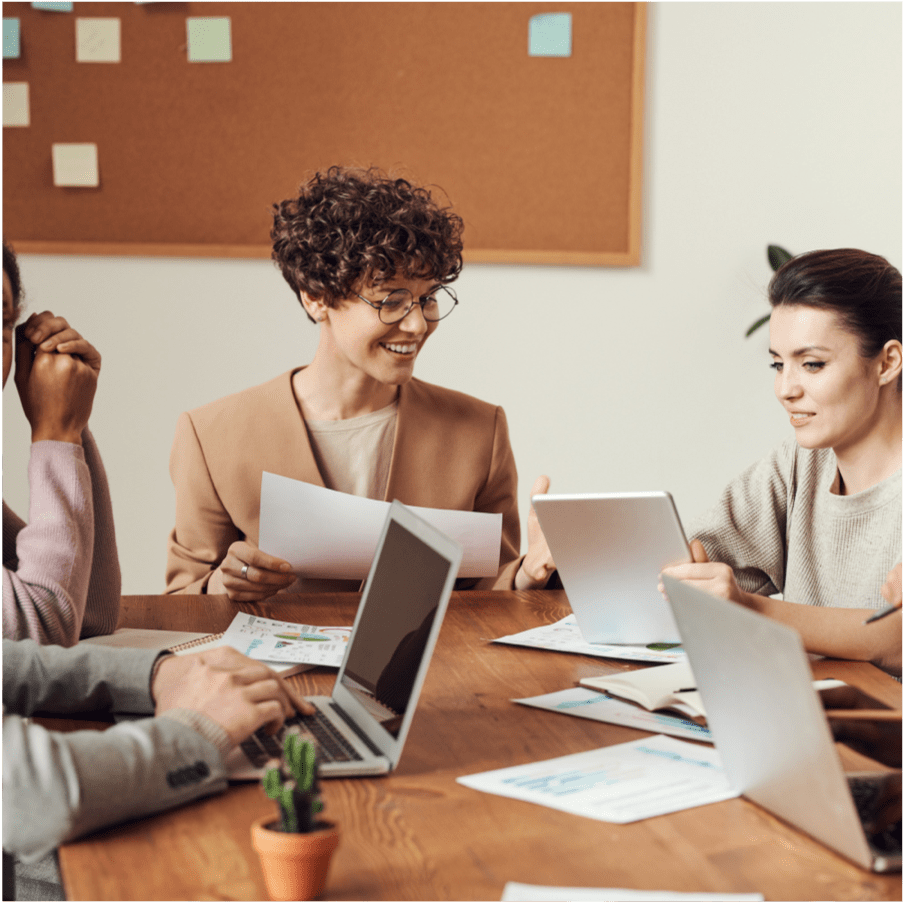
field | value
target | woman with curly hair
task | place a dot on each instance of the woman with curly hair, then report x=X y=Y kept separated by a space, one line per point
x=818 y=519
x=370 y=258
x=61 y=577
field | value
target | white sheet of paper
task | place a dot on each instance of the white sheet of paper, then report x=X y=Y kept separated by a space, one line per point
x=537 y=893
x=586 y=703
x=565 y=636
x=75 y=166
x=268 y=640
x=16 y=109
x=327 y=534
x=618 y=784
x=97 y=40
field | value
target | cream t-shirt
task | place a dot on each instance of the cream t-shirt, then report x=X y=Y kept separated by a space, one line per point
x=354 y=455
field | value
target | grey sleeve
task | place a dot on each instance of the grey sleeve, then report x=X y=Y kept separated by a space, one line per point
x=747 y=527
x=59 y=786
x=82 y=678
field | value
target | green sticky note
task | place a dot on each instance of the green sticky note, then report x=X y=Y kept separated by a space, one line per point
x=53 y=7
x=11 y=45
x=550 y=34
x=210 y=40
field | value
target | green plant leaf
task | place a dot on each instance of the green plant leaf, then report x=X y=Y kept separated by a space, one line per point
x=760 y=322
x=308 y=766
x=272 y=783
x=777 y=257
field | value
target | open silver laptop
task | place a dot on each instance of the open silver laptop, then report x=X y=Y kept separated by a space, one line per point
x=609 y=549
x=771 y=731
x=362 y=727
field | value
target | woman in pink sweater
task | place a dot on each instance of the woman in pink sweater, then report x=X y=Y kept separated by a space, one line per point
x=61 y=576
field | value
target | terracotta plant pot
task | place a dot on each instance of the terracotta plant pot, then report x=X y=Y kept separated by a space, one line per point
x=294 y=865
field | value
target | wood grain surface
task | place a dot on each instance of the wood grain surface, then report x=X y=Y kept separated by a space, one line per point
x=418 y=835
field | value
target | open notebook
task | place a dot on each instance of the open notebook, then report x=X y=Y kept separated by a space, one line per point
x=182 y=642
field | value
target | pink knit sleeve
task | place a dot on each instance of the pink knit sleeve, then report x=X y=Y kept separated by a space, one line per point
x=45 y=580
x=105 y=586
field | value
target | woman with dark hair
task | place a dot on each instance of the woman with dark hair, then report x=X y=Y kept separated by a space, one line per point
x=818 y=520
x=370 y=258
x=60 y=571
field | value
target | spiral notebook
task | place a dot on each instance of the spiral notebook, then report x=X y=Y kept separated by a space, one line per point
x=180 y=642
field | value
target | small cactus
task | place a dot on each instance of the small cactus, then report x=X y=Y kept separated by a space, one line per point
x=297 y=791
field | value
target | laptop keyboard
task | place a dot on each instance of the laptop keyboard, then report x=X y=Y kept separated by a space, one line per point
x=865 y=794
x=331 y=746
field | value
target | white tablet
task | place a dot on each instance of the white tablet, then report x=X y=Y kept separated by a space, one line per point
x=609 y=549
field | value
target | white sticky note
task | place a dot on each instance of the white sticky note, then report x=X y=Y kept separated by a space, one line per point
x=550 y=34
x=75 y=166
x=16 y=111
x=97 y=40
x=210 y=40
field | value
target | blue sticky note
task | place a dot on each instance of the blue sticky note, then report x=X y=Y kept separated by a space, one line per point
x=550 y=34
x=210 y=39
x=54 y=7
x=11 y=46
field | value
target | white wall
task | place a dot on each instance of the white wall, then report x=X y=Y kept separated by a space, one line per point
x=765 y=122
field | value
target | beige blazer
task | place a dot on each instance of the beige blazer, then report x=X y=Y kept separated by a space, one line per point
x=451 y=451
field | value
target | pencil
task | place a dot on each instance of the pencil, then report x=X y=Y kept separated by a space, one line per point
x=883 y=613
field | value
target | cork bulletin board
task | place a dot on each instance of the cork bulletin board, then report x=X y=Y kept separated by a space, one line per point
x=538 y=149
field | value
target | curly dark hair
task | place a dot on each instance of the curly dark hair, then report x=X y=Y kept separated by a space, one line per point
x=11 y=268
x=352 y=224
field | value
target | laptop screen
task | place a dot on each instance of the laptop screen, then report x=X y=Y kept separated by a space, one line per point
x=387 y=648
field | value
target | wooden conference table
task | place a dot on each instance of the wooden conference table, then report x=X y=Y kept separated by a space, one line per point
x=418 y=835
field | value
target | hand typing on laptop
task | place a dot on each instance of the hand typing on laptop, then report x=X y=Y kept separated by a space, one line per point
x=236 y=692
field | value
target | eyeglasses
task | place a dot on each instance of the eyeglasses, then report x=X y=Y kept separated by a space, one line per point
x=437 y=305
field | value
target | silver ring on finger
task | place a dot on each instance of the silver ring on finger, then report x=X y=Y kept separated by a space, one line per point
x=244 y=571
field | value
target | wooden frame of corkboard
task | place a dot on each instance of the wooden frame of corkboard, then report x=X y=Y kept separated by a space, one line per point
x=541 y=156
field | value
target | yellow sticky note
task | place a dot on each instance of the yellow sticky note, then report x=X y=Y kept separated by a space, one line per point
x=97 y=41
x=75 y=166
x=16 y=110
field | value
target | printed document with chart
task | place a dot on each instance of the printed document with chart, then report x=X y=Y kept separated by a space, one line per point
x=619 y=784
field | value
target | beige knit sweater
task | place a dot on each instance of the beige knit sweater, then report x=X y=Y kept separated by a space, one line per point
x=782 y=530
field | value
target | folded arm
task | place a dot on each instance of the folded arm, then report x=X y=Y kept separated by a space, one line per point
x=45 y=594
